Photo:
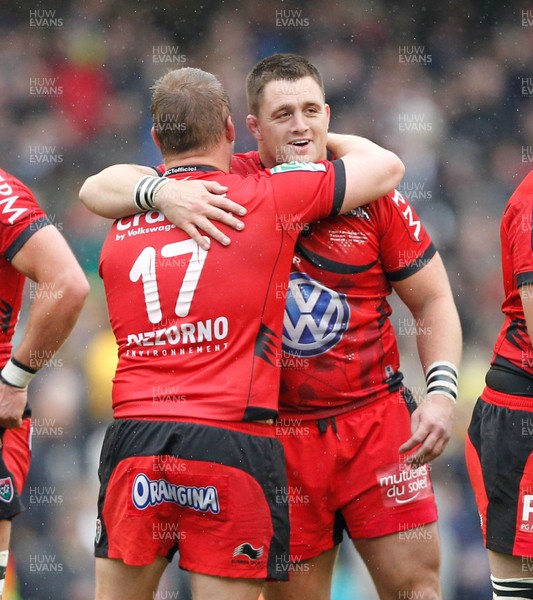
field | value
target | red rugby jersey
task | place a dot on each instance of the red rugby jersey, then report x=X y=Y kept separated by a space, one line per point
x=20 y=218
x=199 y=333
x=339 y=345
x=516 y=232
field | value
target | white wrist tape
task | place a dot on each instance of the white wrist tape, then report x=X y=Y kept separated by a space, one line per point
x=16 y=374
x=4 y=556
x=145 y=191
x=441 y=378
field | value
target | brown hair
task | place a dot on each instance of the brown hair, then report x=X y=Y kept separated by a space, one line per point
x=290 y=67
x=189 y=110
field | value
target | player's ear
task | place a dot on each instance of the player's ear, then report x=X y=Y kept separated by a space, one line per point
x=154 y=137
x=230 y=130
x=254 y=128
x=328 y=112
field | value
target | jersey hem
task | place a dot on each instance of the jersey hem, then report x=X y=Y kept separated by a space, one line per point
x=325 y=413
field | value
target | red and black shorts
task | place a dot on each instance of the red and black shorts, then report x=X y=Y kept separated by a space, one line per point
x=211 y=493
x=499 y=457
x=345 y=473
x=15 y=456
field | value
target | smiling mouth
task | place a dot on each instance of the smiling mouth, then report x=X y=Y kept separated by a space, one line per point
x=300 y=143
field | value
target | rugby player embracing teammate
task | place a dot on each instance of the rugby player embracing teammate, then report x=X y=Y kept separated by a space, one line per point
x=30 y=247
x=196 y=389
x=356 y=443
x=346 y=420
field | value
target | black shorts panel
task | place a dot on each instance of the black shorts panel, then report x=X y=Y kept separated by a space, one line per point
x=169 y=445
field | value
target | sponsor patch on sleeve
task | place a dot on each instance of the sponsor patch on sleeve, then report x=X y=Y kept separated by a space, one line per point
x=298 y=166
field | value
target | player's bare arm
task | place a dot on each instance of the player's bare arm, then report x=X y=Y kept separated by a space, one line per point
x=371 y=171
x=428 y=296
x=191 y=205
x=61 y=291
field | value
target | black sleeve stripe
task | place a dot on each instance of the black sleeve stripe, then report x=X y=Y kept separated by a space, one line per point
x=524 y=278
x=24 y=236
x=340 y=186
x=414 y=267
x=331 y=265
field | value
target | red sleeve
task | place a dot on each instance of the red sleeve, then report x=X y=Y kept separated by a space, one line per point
x=20 y=215
x=306 y=192
x=405 y=244
x=518 y=233
x=246 y=164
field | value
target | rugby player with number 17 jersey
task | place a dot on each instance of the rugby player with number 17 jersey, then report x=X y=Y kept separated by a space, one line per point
x=199 y=340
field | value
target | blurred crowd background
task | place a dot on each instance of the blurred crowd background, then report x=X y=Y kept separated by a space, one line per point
x=447 y=85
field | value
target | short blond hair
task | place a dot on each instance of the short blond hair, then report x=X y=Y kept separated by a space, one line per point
x=189 y=110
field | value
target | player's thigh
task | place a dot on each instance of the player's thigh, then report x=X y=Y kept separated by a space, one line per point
x=207 y=587
x=5 y=534
x=404 y=563
x=309 y=579
x=118 y=581
x=505 y=566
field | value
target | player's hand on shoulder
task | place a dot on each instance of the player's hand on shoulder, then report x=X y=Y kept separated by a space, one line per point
x=191 y=205
x=431 y=428
x=12 y=403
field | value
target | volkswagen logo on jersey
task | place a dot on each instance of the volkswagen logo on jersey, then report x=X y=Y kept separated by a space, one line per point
x=315 y=317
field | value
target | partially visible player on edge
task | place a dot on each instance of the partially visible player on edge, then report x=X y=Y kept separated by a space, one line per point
x=30 y=246
x=196 y=390
x=346 y=421
x=499 y=445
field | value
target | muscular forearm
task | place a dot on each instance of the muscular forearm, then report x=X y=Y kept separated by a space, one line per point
x=110 y=192
x=188 y=204
x=438 y=339
x=341 y=144
x=438 y=332
x=428 y=296
x=371 y=171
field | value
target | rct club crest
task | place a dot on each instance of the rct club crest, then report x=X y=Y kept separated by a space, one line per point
x=6 y=489
x=315 y=317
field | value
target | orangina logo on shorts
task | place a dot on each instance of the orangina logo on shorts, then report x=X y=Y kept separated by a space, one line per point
x=146 y=492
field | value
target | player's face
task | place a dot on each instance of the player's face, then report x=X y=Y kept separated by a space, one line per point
x=292 y=123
